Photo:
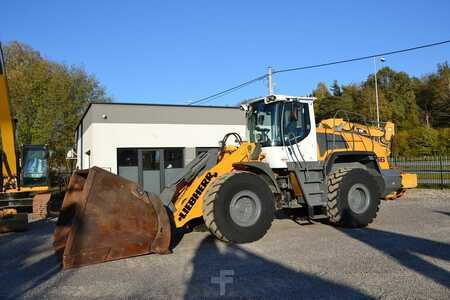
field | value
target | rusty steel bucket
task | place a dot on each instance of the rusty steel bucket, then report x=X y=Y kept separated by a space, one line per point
x=106 y=217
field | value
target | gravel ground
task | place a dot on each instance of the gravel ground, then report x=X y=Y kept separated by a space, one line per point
x=405 y=253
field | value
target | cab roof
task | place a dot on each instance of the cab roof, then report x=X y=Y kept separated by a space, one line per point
x=282 y=98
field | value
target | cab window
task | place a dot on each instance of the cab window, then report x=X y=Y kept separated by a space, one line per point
x=296 y=123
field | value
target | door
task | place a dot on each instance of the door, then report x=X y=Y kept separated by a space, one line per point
x=173 y=164
x=299 y=131
x=151 y=170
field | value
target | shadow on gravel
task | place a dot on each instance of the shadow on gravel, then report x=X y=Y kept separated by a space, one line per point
x=246 y=275
x=404 y=249
x=24 y=262
x=442 y=212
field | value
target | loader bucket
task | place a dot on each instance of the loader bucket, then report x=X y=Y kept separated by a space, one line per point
x=106 y=217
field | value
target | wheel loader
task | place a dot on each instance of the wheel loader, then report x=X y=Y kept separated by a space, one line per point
x=336 y=172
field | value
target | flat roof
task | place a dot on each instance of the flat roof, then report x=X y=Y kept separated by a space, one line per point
x=163 y=104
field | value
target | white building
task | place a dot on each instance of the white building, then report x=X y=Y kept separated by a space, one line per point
x=150 y=143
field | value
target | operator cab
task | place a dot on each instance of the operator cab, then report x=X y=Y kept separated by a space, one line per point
x=279 y=122
x=34 y=165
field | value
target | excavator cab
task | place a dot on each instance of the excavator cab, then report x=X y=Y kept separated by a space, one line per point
x=34 y=165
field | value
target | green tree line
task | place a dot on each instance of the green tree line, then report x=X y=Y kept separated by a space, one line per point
x=48 y=98
x=420 y=107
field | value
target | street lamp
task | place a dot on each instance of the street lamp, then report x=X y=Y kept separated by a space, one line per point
x=376 y=88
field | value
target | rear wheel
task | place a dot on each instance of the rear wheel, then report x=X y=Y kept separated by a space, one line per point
x=353 y=197
x=239 y=207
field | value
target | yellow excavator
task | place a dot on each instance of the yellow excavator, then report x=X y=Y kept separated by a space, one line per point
x=336 y=172
x=24 y=181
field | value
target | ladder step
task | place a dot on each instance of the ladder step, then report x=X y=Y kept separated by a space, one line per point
x=314 y=181
x=316 y=193
x=322 y=216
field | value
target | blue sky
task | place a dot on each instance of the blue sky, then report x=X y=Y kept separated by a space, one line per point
x=177 y=51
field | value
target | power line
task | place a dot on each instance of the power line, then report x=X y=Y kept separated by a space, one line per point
x=227 y=91
x=362 y=57
x=242 y=85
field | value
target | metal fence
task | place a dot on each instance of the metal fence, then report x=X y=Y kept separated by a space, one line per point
x=432 y=171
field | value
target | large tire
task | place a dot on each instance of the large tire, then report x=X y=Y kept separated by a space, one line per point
x=353 y=197
x=239 y=207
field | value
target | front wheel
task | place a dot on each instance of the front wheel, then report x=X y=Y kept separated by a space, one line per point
x=239 y=207
x=353 y=197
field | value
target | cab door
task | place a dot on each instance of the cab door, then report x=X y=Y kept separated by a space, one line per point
x=299 y=131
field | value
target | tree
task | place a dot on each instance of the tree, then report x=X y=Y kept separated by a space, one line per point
x=433 y=96
x=321 y=91
x=397 y=100
x=420 y=141
x=331 y=106
x=48 y=98
x=336 y=89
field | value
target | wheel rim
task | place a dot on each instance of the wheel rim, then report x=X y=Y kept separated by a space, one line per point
x=245 y=208
x=358 y=198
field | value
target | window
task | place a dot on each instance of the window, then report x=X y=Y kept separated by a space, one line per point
x=263 y=124
x=127 y=157
x=127 y=163
x=151 y=168
x=268 y=123
x=35 y=165
x=173 y=158
x=329 y=141
x=296 y=124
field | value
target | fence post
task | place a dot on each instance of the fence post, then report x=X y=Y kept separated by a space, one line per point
x=441 y=167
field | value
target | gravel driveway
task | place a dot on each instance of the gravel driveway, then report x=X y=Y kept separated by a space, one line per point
x=405 y=253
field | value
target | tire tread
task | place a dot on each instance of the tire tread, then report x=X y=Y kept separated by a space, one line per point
x=335 y=212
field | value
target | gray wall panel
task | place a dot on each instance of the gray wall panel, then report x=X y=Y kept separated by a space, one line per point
x=164 y=114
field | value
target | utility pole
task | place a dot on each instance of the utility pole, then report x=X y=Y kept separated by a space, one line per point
x=376 y=91
x=376 y=88
x=269 y=77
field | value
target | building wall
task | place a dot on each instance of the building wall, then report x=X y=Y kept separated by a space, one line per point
x=106 y=127
x=109 y=137
x=84 y=141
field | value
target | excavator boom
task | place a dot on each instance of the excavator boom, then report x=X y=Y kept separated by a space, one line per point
x=23 y=186
x=9 y=159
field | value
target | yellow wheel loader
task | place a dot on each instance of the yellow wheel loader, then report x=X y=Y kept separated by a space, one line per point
x=336 y=173
x=24 y=180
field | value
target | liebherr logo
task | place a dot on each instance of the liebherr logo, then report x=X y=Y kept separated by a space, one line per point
x=198 y=191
